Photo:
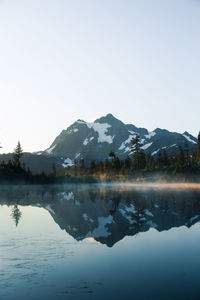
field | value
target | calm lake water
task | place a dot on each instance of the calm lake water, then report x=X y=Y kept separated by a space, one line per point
x=99 y=242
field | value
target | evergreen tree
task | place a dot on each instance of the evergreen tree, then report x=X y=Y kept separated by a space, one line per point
x=106 y=166
x=10 y=164
x=116 y=163
x=16 y=214
x=74 y=168
x=139 y=160
x=180 y=157
x=198 y=149
x=92 y=166
x=127 y=162
x=186 y=150
x=29 y=172
x=18 y=152
x=112 y=155
x=82 y=164
x=101 y=167
x=2 y=164
x=82 y=167
x=123 y=170
x=193 y=159
x=149 y=162
x=165 y=160
x=53 y=169
x=136 y=144
x=24 y=166
x=159 y=162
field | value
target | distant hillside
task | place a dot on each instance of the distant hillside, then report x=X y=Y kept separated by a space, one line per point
x=36 y=163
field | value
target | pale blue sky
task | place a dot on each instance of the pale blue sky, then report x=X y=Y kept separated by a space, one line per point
x=68 y=59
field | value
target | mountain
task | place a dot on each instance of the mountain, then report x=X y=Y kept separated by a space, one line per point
x=94 y=141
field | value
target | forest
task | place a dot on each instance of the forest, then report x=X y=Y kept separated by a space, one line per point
x=181 y=166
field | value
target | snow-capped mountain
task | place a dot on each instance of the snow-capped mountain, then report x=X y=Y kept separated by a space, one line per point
x=88 y=141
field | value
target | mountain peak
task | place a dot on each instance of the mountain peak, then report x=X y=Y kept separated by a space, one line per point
x=186 y=133
x=109 y=115
x=95 y=140
x=109 y=119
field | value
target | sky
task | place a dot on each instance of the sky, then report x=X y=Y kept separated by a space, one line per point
x=80 y=59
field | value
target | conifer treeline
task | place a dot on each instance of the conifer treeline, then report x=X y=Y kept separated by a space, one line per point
x=182 y=161
x=14 y=172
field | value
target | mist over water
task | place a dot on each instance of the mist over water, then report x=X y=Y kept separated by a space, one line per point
x=100 y=241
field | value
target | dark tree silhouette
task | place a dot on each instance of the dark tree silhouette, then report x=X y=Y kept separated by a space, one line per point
x=136 y=144
x=53 y=169
x=18 y=152
x=16 y=214
x=112 y=155
x=198 y=149
x=139 y=160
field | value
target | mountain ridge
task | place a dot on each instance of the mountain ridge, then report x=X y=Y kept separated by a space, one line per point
x=95 y=140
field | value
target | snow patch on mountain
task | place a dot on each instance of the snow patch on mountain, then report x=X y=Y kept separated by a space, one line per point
x=101 y=129
x=189 y=139
x=73 y=130
x=67 y=163
x=150 y=135
x=124 y=144
x=132 y=132
x=155 y=152
x=87 y=140
x=77 y=155
x=49 y=151
x=146 y=146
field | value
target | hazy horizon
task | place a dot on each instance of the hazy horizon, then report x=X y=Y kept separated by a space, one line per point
x=68 y=60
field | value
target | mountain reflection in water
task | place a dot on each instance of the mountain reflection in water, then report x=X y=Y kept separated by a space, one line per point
x=108 y=213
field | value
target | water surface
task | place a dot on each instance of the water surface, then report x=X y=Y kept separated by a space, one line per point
x=94 y=242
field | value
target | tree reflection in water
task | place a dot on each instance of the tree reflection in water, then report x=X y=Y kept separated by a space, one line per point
x=16 y=214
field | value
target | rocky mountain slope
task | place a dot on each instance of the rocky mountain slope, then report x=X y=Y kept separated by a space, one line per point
x=94 y=141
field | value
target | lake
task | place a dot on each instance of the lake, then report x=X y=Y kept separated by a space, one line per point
x=100 y=242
